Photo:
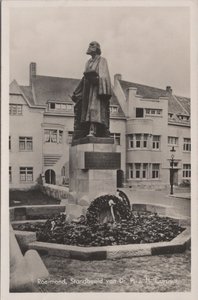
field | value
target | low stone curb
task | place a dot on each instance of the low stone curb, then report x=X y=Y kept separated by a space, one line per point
x=24 y=238
x=21 y=222
x=154 y=208
x=181 y=196
x=27 y=211
x=177 y=245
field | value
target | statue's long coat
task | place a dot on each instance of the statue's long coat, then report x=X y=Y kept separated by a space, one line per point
x=95 y=97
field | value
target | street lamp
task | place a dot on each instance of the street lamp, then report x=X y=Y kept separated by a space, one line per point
x=172 y=170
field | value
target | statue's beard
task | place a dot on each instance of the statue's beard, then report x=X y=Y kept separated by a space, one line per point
x=89 y=52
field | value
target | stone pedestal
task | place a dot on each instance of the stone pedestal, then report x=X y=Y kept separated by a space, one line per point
x=93 y=167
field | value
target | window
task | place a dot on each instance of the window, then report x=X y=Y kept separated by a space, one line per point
x=131 y=144
x=156 y=142
x=116 y=137
x=183 y=117
x=10 y=174
x=145 y=170
x=113 y=109
x=25 y=143
x=53 y=136
x=26 y=174
x=9 y=142
x=52 y=105
x=138 y=140
x=139 y=112
x=186 y=170
x=61 y=106
x=69 y=107
x=69 y=137
x=138 y=171
x=172 y=140
x=155 y=170
x=145 y=140
x=187 y=144
x=15 y=109
x=131 y=171
x=60 y=136
x=153 y=112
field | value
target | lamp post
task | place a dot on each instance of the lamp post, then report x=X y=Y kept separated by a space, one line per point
x=172 y=170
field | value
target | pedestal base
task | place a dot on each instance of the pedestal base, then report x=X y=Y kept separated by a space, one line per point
x=93 y=168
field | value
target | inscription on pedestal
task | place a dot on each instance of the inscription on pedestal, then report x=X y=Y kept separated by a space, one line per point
x=102 y=160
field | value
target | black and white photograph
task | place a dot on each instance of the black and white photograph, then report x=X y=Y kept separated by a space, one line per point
x=98 y=118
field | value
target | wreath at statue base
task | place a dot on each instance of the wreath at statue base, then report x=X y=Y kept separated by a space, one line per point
x=101 y=227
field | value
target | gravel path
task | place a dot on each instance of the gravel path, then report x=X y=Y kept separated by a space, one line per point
x=164 y=273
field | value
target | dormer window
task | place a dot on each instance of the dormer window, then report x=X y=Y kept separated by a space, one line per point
x=183 y=117
x=52 y=105
x=139 y=112
x=60 y=106
x=153 y=112
x=113 y=109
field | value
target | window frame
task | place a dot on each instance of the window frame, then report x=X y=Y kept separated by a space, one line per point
x=14 y=109
x=186 y=172
x=155 y=171
x=53 y=136
x=139 y=171
x=173 y=140
x=26 y=140
x=113 y=109
x=117 y=137
x=26 y=171
x=156 y=143
x=187 y=144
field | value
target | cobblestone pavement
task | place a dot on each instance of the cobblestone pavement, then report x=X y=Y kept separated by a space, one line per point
x=164 y=273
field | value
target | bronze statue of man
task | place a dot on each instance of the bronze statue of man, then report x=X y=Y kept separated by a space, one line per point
x=92 y=97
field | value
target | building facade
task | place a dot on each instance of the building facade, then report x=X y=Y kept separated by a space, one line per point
x=145 y=123
x=41 y=127
x=156 y=121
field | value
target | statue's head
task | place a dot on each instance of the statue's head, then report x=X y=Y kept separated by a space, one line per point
x=94 y=47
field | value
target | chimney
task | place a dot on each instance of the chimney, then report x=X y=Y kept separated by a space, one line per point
x=169 y=89
x=32 y=71
x=117 y=77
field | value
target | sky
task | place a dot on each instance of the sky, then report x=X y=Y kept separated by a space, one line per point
x=146 y=45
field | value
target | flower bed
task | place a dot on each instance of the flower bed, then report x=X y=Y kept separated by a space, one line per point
x=139 y=228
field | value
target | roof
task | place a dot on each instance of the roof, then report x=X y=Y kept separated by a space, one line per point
x=185 y=102
x=176 y=104
x=28 y=93
x=48 y=88
x=144 y=91
x=15 y=88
